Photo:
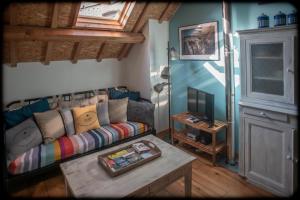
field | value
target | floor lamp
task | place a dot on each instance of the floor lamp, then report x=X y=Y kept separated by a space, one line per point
x=165 y=74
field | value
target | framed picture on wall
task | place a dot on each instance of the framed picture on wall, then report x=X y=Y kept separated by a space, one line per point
x=199 y=42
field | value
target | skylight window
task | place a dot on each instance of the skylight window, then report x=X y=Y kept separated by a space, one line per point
x=110 y=10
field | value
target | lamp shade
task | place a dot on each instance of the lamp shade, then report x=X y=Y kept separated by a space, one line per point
x=165 y=73
x=159 y=87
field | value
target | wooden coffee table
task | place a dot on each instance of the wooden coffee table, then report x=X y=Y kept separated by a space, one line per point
x=84 y=177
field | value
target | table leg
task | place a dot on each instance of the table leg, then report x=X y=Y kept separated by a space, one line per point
x=214 y=149
x=226 y=147
x=67 y=189
x=172 y=132
x=188 y=181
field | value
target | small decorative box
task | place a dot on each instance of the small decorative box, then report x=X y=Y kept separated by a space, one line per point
x=292 y=18
x=263 y=21
x=280 y=19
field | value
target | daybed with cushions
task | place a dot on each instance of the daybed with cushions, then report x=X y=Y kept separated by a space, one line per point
x=47 y=131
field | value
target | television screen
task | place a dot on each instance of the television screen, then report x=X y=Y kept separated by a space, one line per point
x=192 y=100
x=201 y=104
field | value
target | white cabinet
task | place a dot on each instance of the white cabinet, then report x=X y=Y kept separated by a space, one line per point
x=268 y=151
x=268 y=68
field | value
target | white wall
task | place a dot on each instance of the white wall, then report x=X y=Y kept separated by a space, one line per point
x=143 y=65
x=136 y=68
x=159 y=37
x=29 y=80
x=140 y=71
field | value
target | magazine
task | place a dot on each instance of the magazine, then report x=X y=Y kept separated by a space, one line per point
x=140 y=147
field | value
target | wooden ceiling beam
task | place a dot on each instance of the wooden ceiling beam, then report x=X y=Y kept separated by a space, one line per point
x=99 y=58
x=169 y=11
x=76 y=51
x=76 y=8
x=139 y=23
x=54 y=20
x=54 y=24
x=63 y=34
x=164 y=13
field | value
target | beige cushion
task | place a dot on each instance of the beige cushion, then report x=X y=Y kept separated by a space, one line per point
x=50 y=124
x=117 y=109
x=85 y=118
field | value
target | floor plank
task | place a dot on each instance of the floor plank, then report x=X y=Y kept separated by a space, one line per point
x=207 y=181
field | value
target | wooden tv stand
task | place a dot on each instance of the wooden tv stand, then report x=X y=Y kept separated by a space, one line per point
x=214 y=148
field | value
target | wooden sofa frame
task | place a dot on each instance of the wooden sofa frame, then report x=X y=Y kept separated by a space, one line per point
x=12 y=182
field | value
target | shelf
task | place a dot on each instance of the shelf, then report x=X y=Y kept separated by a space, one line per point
x=206 y=148
x=267 y=78
x=203 y=126
x=268 y=57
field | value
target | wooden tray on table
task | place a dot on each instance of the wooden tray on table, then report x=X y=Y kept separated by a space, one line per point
x=124 y=159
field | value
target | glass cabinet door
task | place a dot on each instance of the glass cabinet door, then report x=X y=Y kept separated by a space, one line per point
x=267 y=68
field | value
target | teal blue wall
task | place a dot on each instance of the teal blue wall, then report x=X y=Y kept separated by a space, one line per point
x=193 y=73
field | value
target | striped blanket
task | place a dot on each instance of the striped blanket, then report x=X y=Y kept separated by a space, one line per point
x=65 y=146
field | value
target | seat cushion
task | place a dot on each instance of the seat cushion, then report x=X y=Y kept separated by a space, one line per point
x=65 y=146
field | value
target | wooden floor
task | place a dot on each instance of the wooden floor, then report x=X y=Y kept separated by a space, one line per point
x=207 y=181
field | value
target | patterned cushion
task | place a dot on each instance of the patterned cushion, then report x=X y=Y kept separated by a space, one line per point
x=15 y=117
x=65 y=147
x=85 y=118
x=82 y=102
x=119 y=94
x=94 y=100
x=21 y=138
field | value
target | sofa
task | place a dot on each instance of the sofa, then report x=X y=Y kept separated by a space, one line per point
x=25 y=164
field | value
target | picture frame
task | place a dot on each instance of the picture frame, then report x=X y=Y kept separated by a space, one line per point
x=199 y=42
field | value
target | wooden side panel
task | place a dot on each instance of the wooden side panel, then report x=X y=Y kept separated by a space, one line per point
x=135 y=13
x=65 y=14
x=5 y=52
x=111 y=50
x=62 y=50
x=33 y=14
x=30 y=51
x=89 y=50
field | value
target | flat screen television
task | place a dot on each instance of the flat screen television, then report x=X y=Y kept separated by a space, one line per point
x=201 y=104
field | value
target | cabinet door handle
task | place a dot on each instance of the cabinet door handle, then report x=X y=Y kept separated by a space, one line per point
x=290 y=70
x=289 y=157
x=263 y=114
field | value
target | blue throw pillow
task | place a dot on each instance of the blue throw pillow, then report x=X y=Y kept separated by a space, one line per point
x=14 y=117
x=120 y=94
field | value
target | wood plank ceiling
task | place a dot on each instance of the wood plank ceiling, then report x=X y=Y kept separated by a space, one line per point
x=45 y=32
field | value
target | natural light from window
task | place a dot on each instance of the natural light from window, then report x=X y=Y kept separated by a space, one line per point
x=105 y=10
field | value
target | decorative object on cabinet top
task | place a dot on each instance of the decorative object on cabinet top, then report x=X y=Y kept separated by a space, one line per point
x=280 y=19
x=292 y=18
x=263 y=21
